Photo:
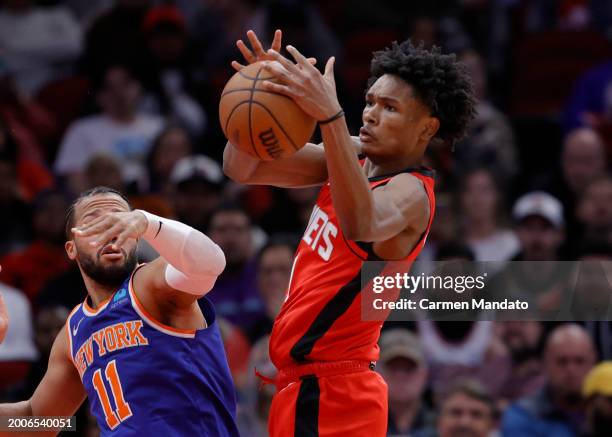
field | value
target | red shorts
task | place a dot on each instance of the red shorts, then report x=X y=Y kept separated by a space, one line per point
x=331 y=404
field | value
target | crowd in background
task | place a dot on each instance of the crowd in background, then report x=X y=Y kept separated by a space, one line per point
x=124 y=93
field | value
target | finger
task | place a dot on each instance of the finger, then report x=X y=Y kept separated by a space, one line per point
x=93 y=229
x=107 y=236
x=278 y=71
x=256 y=44
x=121 y=239
x=246 y=53
x=286 y=63
x=300 y=59
x=276 y=42
x=237 y=65
x=329 y=68
x=278 y=88
x=313 y=61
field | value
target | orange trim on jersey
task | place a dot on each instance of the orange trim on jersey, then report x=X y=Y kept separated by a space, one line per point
x=140 y=309
x=89 y=311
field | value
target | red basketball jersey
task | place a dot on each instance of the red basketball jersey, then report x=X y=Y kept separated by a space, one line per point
x=321 y=317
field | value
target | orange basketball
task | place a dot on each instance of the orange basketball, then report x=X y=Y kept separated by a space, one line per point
x=264 y=124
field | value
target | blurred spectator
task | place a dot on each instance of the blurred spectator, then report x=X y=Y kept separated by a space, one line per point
x=169 y=74
x=30 y=123
x=235 y=293
x=482 y=206
x=274 y=264
x=17 y=352
x=49 y=322
x=119 y=130
x=170 y=146
x=254 y=409
x=597 y=390
x=490 y=140
x=279 y=209
x=467 y=410
x=539 y=226
x=590 y=104
x=116 y=35
x=67 y=290
x=404 y=369
x=583 y=159
x=464 y=349
x=524 y=340
x=103 y=170
x=38 y=43
x=197 y=182
x=557 y=409
x=594 y=211
x=237 y=349
x=32 y=175
x=15 y=228
x=45 y=258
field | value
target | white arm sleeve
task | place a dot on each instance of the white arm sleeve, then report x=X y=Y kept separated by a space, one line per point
x=194 y=260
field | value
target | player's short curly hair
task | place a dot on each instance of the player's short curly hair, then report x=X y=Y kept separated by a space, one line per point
x=438 y=79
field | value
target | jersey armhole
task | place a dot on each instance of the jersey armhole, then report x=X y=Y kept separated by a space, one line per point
x=152 y=321
x=69 y=333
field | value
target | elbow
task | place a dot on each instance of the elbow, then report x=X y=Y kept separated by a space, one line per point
x=219 y=262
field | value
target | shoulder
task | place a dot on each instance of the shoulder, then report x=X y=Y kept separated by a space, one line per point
x=408 y=188
x=86 y=123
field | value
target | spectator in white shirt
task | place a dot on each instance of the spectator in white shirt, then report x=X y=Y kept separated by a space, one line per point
x=119 y=130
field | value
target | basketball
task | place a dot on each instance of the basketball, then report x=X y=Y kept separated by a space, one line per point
x=264 y=124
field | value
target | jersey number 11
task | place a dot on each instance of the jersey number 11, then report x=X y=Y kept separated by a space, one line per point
x=114 y=416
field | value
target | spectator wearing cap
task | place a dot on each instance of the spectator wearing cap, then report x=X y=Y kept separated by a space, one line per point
x=539 y=224
x=120 y=130
x=404 y=369
x=597 y=390
x=235 y=294
x=197 y=182
x=170 y=146
x=467 y=409
x=170 y=75
x=44 y=258
x=558 y=409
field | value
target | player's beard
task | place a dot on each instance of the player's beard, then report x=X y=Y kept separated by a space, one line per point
x=108 y=276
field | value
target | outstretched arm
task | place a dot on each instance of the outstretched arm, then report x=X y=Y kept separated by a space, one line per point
x=60 y=393
x=189 y=261
x=3 y=319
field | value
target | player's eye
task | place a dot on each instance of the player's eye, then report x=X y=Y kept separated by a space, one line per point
x=390 y=108
x=369 y=102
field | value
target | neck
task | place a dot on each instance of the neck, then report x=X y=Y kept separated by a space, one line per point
x=97 y=292
x=567 y=403
x=383 y=168
x=403 y=413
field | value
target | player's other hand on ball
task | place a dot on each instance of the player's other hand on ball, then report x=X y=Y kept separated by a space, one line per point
x=313 y=91
x=257 y=53
x=117 y=226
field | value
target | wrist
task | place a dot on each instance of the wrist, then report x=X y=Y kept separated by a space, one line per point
x=149 y=224
x=335 y=116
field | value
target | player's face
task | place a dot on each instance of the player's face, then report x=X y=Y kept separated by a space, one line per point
x=463 y=416
x=395 y=123
x=101 y=263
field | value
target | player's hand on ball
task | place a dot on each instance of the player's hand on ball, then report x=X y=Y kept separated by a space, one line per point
x=257 y=53
x=117 y=226
x=314 y=92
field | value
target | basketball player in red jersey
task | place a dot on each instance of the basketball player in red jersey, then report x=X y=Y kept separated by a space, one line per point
x=376 y=203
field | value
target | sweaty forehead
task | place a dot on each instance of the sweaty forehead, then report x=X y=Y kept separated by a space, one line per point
x=100 y=202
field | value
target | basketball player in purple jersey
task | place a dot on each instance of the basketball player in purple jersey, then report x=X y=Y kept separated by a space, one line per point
x=139 y=346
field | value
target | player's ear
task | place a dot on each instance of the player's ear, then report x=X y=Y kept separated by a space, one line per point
x=70 y=249
x=430 y=128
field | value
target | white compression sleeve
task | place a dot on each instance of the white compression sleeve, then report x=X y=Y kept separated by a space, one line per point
x=194 y=260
